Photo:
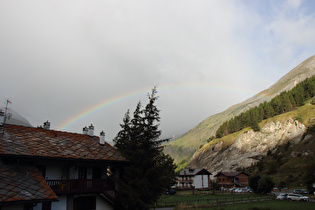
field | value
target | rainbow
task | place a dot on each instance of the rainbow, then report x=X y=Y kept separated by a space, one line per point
x=107 y=102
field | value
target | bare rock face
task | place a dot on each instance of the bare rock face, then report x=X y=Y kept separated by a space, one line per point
x=249 y=147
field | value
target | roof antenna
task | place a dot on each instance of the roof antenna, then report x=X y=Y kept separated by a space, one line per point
x=6 y=115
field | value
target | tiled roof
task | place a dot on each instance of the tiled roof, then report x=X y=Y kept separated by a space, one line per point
x=192 y=172
x=230 y=174
x=23 y=184
x=43 y=143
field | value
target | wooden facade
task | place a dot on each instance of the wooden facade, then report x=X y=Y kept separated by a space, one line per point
x=232 y=179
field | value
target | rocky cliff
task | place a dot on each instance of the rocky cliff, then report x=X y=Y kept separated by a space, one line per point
x=249 y=147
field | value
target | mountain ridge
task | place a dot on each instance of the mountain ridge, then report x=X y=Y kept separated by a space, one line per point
x=183 y=148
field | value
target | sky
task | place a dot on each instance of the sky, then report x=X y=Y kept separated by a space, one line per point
x=81 y=62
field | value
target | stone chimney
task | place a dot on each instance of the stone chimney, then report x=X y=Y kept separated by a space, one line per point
x=46 y=125
x=91 y=130
x=85 y=130
x=102 y=138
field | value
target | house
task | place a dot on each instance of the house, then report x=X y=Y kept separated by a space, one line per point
x=232 y=179
x=43 y=169
x=193 y=179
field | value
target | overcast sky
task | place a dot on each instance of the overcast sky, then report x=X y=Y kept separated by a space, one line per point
x=61 y=58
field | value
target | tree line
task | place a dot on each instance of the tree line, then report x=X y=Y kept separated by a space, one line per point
x=285 y=102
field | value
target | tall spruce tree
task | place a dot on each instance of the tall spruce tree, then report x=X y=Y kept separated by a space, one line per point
x=149 y=172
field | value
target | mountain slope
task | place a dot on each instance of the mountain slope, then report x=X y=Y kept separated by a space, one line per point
x=183 y=148
x=280 y=141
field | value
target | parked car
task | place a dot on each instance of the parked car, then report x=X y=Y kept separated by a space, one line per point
x=300 y=191
x=170 y=192
x=282 y=196
x=231 y=189
x=305 y=191
x=275 y=189
x=297 y=197
x=238 y=190
x=247 y=189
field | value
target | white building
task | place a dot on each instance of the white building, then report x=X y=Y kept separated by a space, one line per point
x=43 y=169
x=193 y=179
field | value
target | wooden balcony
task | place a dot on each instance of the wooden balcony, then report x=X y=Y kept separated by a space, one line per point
x=81 y=186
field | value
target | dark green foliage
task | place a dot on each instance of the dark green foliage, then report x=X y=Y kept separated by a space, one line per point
x=253 y=182
x=282 y=184
x=210 y=139
x=285 y=102
x=149 y=172
x=273 y=167
x=265 y=185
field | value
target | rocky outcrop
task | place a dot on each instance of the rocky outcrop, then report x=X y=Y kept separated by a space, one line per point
x=249 y=147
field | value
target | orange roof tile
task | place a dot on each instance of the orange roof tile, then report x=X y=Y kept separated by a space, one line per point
x=23 y=184
x=43 y=143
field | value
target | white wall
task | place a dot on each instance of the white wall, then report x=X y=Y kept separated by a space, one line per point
x=101 y=204
x=38 y=206
x=54 y=172
x=201 y=181
x=61 y=204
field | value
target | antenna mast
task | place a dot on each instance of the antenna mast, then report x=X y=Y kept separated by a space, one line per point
x=6 y=114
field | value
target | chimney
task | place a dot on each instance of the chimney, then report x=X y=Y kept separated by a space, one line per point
x=102 y=138
x=85 y=130
x=46 y=125
x=91 y=130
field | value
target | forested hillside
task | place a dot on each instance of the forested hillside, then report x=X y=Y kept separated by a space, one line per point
x=285 y=102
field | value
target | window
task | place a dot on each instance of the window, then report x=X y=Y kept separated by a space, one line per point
x=82 y=172
x=97 y=173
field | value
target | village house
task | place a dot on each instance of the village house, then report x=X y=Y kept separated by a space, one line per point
x=232 y=179
x=193 y=179
x=43 y=169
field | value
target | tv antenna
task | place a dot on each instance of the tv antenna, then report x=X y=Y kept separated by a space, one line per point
x=5 y=115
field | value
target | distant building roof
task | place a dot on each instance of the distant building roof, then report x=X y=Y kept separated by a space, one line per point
x=42 y=143
x=230 y=174
x=193 y=172
x=22 y=184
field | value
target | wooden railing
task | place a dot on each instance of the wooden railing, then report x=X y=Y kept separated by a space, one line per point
x=75 y=186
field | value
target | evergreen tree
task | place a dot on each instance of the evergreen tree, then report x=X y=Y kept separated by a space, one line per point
x=265 y=184
x=149 y=172
x=253 y=182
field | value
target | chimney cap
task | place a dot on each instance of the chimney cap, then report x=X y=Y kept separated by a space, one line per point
x=46 y=125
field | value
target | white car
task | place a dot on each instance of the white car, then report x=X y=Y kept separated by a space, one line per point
x=282 y=196
x=297 y=197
